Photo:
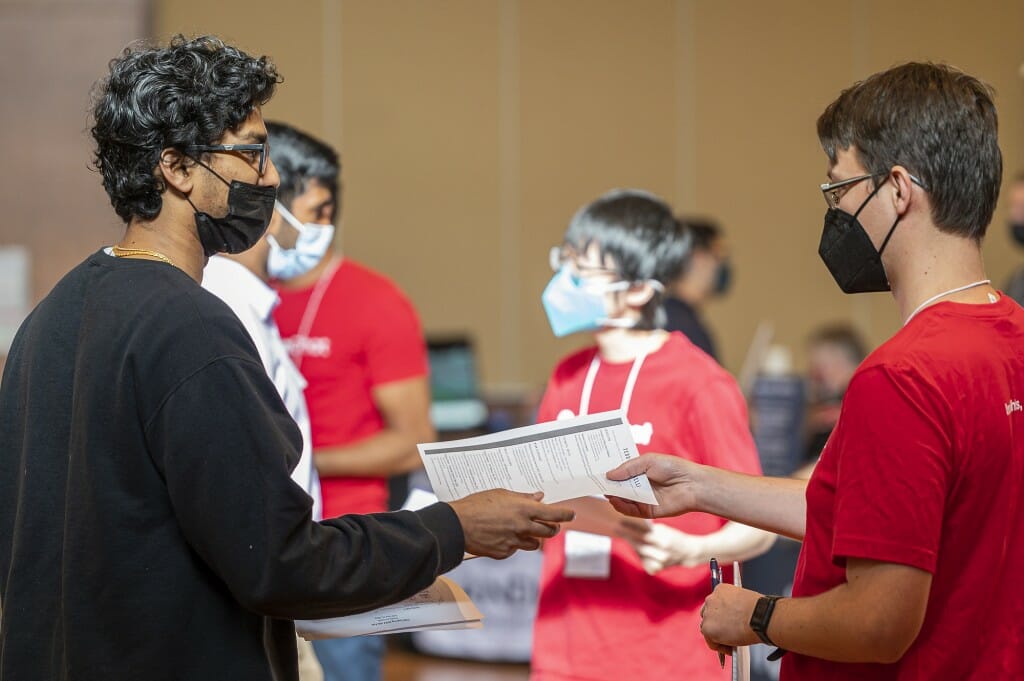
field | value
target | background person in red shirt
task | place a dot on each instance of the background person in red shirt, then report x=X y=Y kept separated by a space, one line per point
x=912 y=521
x=357 y=341
x=607 y=604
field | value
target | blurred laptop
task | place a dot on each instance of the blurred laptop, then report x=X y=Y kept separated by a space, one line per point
x=454 y=385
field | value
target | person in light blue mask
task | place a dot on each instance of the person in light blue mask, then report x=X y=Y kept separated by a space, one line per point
x=619 y=253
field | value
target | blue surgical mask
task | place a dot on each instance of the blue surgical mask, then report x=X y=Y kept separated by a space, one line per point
x=310 y=248
x=571 y=306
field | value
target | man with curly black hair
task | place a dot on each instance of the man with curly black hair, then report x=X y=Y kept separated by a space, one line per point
x=149 y=528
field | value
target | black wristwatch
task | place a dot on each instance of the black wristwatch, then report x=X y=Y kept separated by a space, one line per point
x=759 y=623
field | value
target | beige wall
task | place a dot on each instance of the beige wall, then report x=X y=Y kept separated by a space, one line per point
x=53 y=202
x=471 y=130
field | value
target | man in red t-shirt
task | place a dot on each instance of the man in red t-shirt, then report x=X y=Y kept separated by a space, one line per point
x=607 y=602
x=912 y=521
x=358 y=342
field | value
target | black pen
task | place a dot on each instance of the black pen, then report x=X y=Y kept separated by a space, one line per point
x=716 y=579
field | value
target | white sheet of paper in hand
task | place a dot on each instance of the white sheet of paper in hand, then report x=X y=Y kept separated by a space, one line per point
x=442 y=605
x=564 y=459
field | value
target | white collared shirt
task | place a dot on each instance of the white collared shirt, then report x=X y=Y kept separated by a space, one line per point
x=253 y=302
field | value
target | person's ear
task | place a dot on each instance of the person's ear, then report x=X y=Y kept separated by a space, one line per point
x=639 y=295
x=175 y=171
x=903 y=189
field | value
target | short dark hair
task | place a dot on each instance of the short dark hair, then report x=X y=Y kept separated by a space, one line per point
x=937 y=122
x=842 y=336
x=299 y=158
x=704 y=230
x=188 y=93
x=640 y=234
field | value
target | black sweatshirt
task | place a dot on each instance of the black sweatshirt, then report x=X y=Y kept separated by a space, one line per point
x=148 y=526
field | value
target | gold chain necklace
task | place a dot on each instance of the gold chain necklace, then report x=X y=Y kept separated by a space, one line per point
x=121 y=252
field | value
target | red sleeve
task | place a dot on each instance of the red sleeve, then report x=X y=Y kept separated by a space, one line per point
x=893 y=470
x=719 y=428
x=395 y=349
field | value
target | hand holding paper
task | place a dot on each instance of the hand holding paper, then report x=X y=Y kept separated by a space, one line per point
x=672 y=479
x=563 y=459
x=497 y=523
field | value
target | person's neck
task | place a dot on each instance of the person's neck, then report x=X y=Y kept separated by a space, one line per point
x=940 y=263
x=172 y=236
x=254 y=260
x=624 y=345
x=311 y=277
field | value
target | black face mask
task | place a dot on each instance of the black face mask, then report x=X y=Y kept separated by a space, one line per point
x=723 y=278
x=250 y=209
x=848 y=253
x=1017 y=232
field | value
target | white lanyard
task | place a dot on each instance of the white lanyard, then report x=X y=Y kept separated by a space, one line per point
x=312 y=307
x=945 y=293
x=627 y=393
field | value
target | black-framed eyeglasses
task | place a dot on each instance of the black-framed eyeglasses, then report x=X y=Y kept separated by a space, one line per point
x=832 y=193
x=257 y=153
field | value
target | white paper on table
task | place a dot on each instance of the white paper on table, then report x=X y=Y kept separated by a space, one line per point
x=740 y=654
x=442 y=605
x=564 y=459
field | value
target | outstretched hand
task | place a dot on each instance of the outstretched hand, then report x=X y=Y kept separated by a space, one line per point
x=673 y=479
x=497 y=523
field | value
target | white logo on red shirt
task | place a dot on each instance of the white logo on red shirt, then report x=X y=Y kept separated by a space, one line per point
x=642 y=432
x=1012 y=406
x=306 y=346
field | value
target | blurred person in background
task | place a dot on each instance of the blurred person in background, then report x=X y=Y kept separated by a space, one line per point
x=149 y=525
x=1015 y=221
x=358 y=342
x=706 y=275
x=609 y=606
x=834 y=353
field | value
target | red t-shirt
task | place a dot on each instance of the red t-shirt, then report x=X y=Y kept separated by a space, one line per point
x=365 y=333
x=926 y=468
x=633 y=625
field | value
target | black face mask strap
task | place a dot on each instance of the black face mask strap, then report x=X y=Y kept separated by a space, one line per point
x=870 y=196
x=892 y=229
x=889 y=235
x=215 y=173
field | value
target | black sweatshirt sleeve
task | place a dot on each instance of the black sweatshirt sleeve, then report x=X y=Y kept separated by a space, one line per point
x=224 y=444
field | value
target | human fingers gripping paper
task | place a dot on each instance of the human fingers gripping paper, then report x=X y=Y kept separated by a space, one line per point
x=564 y=459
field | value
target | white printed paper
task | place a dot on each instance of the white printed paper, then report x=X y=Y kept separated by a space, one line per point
x=442 y=605
x=564 y=459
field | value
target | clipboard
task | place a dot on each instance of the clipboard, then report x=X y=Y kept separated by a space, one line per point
x=740 y=654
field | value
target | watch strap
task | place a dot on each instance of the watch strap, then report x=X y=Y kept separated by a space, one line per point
x=762 y=616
